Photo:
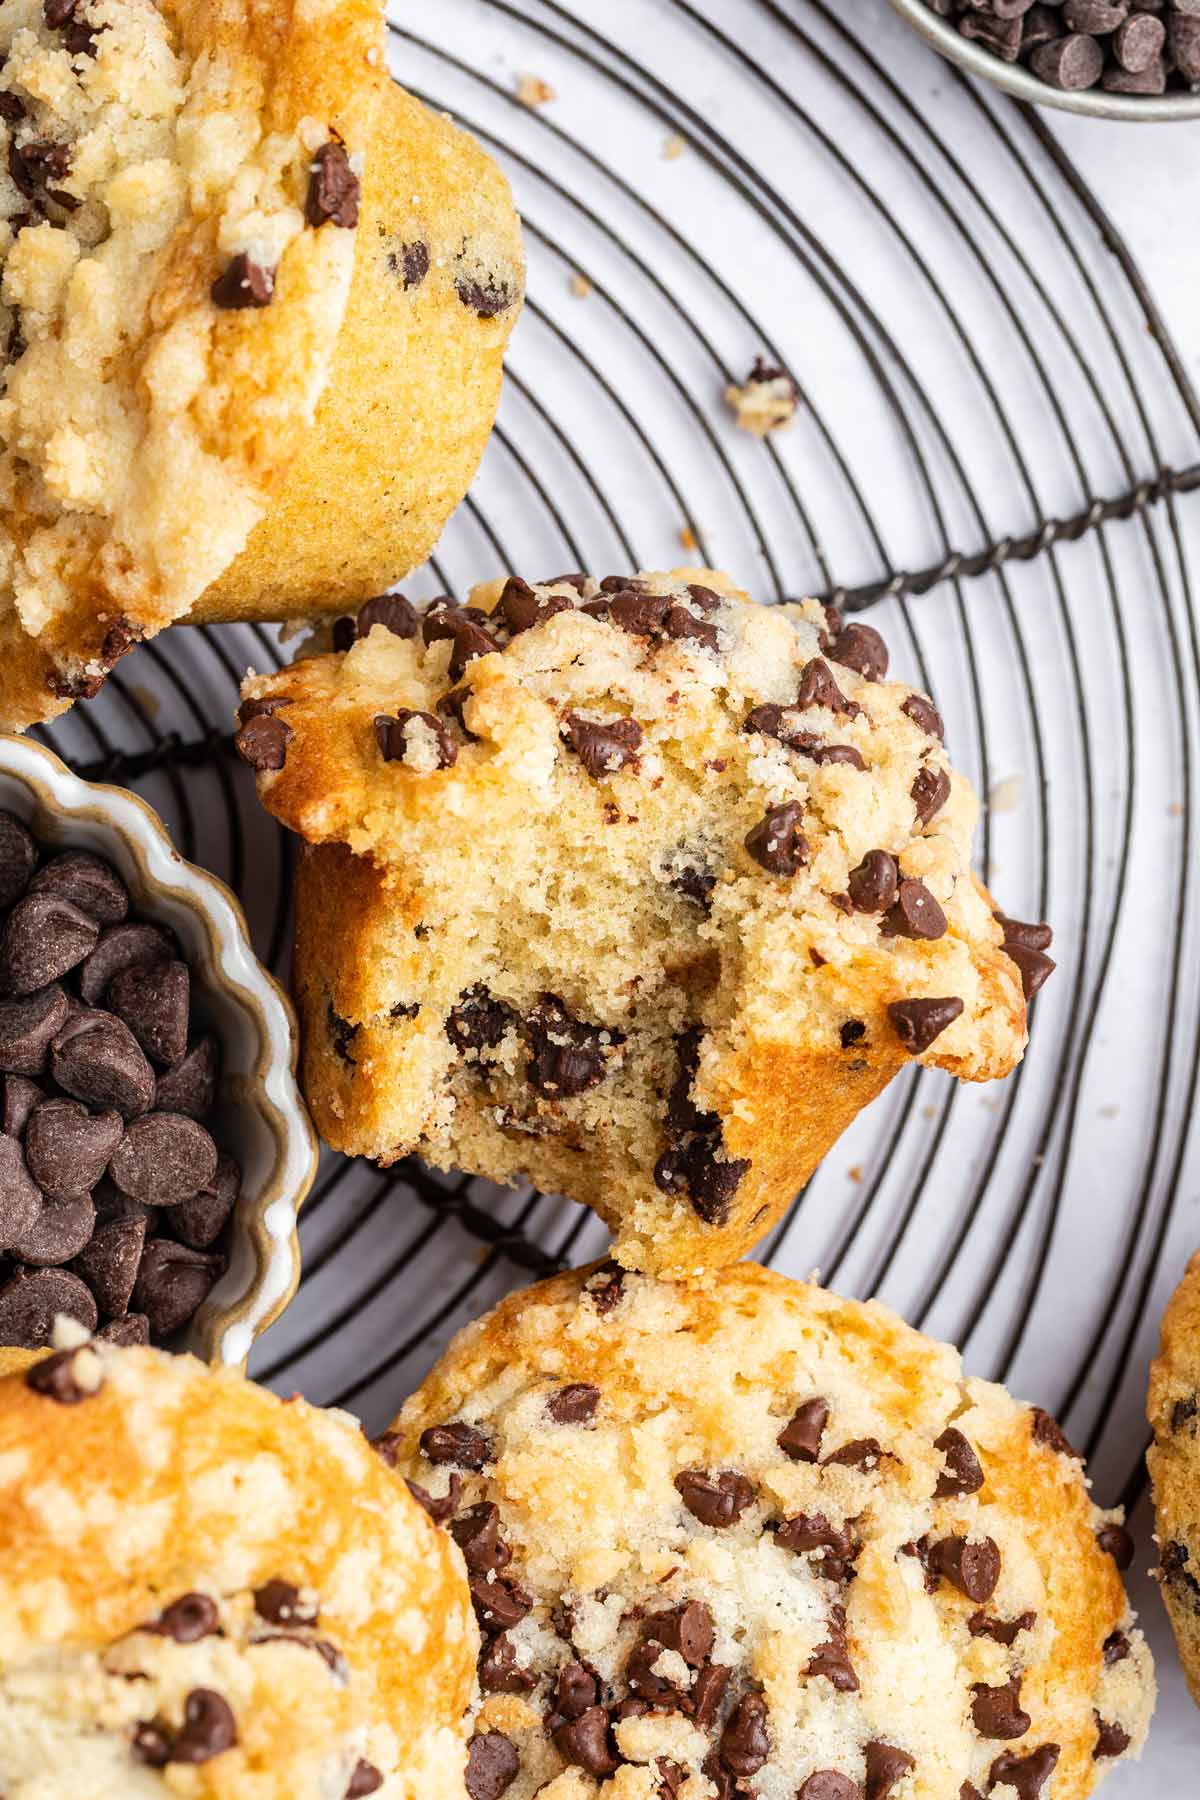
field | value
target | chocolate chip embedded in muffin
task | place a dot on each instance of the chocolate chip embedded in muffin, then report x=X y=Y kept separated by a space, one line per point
x=918 y=1023
x=333 y=189
x=777 y=843
x=244 y=283
x=603 y=747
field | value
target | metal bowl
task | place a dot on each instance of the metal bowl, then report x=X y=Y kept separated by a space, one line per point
x=262 y=1119
x=1095 y=103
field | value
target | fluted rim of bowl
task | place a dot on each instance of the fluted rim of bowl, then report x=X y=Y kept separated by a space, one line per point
x=1096 y=103
x=226 y=1326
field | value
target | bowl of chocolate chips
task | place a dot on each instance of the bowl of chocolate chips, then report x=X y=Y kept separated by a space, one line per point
x=1114 y=59
x=154 y=1149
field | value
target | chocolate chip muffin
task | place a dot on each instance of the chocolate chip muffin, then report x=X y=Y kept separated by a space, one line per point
x=749 y=1539
x=207 y=1591
x=633 y=888
x=219 y=223
x=1174 y=1459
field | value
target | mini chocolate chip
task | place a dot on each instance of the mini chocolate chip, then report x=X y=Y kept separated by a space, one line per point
x=716 y=1500
x=479 y=1021
x=973 y=1567
x=930 y=792
x=1116 y=1648
x=687 y=1629
x=18 y=858
x=468 y=636
x=122 y=947
x=263 y=742
x=29 y=1305
x=832 y=1658
x=499 y=1603
x=154 y=1002
x=916 y=913
x=852 y=1032
x=925 y=715
x=576 y=1690
x=86 y=881
x=860 y=647
x=440 y=1509
x=60 y=1230
x=465 y=1446
x=962 y=1474
x=265 y=706
x=1116 y=1542
x=391 y=734
x=829 y=1784
x=199 y=1222
x=659 y=1690
x=43 y=938
x=777 y=843
x=208 y=1730
x=631 y=610
x=603 y=748
x=1034 y=966
x=163 y=1159
x=499 y=1671
x=682 y=626
x=492 y=1766
x=333 y=188
x=244 y=283
x=127 y=1333
x=172 y=1283
x=186 y=1620
x=18 y=1097
x=584 y=1741
x=1001 y=1631
x=818 y=688
x=366 y=1779
x=151 y=1745
x=68 y=1148
x=745 y=1743
x=96 y=1058
x=477 y=1534
x=1111 y=1739
x=918 y=1022
x=708 y=1690
x=997 y=1712
x=58 y=1377
x=1022 y=936
x=486 y=298
x=568 y=1055
x=1073 y=62
x=189 y=1086
x=575 y=1404
x=282 y=1603
x=1028 y=1775
x=20 y=1197
x=393 y=612
x=886 y=1765
x=813 y=1531
x=28 y=1027
x=605 y=1286
x=800 y=1438
x=521 y=608
x=860 y=1453
x=874 y=884
x=109 y=1263
x=411 y=263
x=1047 y=1430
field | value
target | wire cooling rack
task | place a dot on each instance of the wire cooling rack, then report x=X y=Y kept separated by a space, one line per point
x=997 y=452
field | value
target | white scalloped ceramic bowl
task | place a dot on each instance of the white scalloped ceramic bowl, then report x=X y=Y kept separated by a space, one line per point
x=259 y=1118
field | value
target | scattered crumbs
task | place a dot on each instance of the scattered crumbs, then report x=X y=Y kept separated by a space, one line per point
x=766 y=401
x=1005 y=796
x=674 y=147
x=1110 y=1111
x=1176 y=809
x=929 y=1112
x=855 y=1171
x=687 y=538
x=988 y=1101
x=581 y=287
x=533 y=91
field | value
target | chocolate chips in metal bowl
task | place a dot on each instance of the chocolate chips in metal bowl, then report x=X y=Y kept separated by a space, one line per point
x=1137 y=48
x=115 y=1194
